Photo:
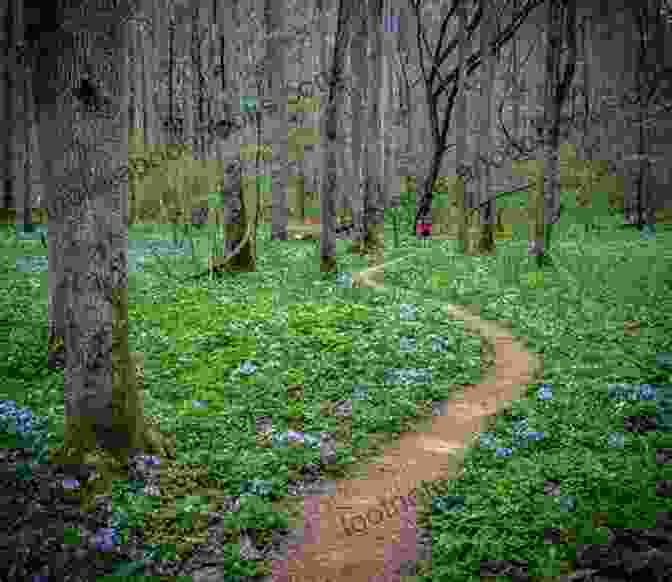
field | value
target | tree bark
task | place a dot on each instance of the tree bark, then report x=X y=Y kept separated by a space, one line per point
x=88 y=210
x=460 y=134
x=358 y=96
x=486 y=243
x=329 y=135
x=276 y=58
x=374 y=204
x=561 y=25
x=16 y=115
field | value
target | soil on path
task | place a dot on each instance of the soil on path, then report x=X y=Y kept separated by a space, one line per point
x=366 y=529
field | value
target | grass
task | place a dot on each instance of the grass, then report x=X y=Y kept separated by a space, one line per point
x=220 y=354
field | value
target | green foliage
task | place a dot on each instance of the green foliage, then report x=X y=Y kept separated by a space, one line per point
x=299 y=327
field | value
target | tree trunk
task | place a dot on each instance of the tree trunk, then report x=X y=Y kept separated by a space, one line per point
x=240 y=232
x=374 y=204
x=460 y=134
x=88 y=209
x=320 y=63
x=16 y=114
x=561 y=25
x=276 y=58
x=330 y=137
x=358 y=96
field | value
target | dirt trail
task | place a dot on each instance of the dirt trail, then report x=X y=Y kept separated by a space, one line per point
x=367 y=528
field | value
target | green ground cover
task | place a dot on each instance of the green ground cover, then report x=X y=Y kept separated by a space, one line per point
x=600 y=317
x=219 y=354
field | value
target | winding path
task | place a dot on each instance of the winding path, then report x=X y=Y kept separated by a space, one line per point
x=366 y=529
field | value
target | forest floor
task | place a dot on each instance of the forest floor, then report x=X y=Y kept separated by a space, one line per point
x=256 y=374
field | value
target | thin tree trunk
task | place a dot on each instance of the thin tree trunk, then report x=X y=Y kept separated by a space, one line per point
x=320 y=60
x=275 y=14
x=460 y=133
x=329 y=135
x=374 y=204
x=560 y=22
x=488 y=213
x=16 y=115
x=360 y=81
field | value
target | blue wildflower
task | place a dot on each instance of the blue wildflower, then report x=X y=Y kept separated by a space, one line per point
x=664 y=360
x=616 y=440
x=439 y=344
x=257 y=487
x=150 y=460
x=622 y=392
x=487 y=440
x=545 y=392
x=247 y=368
x=567 y=503
x=448 y=503
x=360 y=392
x=407 y=311
x=503 y=451
x=344 y=280
x=70 y=484
x=647 y=392
x=106 y=538
x=407 y=344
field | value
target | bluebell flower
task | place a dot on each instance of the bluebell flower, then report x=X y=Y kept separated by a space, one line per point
x=119 y=519
x=439 y=344
x=106 y=538
x=344 y=280
x=247 y=368
x=648 y=232
x=7 y=406
x=294 y=436
x=408 y=375
x=503 y=451
x=647 y=392
x=257 y=487
x=664 y=360
x=360 y=391
x=150 y=460
x=70 y=484
x=545 y=392
x=567 y=503
x=622 y=392
x=487 y=440
x=616 y=440
x=407 y=344
x=520 y=425
x=448 y=503
x=534 y=435
x=407 y=311
x=15 y=419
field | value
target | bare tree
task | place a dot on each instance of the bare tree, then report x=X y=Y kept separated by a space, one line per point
x=561 y=26
x=438 y=83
